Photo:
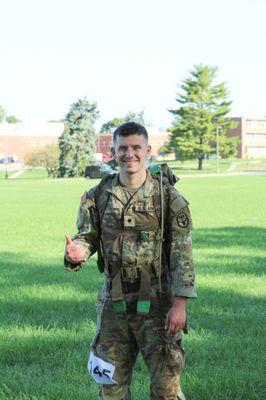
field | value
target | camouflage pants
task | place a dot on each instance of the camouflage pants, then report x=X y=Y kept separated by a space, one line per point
x=121 y=336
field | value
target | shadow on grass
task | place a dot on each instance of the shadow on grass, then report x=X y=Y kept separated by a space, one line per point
x=225 y=245
x=45 y=337
x=245 y=236
x=46 y=294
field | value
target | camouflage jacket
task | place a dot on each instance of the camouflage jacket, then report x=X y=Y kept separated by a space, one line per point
x=128 y=231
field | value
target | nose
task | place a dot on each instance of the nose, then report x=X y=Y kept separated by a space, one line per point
x=129 y=152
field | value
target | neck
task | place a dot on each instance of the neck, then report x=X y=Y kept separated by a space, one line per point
x=133 y=181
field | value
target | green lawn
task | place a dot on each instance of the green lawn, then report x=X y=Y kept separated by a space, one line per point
x=225 y=165
x=33 y=174
x=47 y=315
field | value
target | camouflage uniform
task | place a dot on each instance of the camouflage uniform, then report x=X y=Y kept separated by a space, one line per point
x=127 y=230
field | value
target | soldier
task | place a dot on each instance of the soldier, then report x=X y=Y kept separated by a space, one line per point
x=140 y=225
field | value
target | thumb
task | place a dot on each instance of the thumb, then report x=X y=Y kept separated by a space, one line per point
x=68 y=240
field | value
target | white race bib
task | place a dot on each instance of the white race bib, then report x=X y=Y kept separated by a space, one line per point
x=101 y=371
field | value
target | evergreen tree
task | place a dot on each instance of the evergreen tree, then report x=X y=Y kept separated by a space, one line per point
x=203 y=106
x=77 y=143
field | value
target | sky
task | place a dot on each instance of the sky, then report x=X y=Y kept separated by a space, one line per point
x=127 y=55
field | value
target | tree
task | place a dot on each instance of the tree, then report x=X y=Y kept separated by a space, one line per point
x=77 y=143
x=109 y=126
x=138 y=117
x=203 y=106
x=12 y=119
x=47 y=157
x=2 y=114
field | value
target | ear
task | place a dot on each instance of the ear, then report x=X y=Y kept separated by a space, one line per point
x=148 y=150
x=113 y=151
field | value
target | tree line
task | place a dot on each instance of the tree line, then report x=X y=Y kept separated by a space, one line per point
x=201 y=116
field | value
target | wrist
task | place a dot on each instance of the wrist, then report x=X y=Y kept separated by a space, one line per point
x=180 y=302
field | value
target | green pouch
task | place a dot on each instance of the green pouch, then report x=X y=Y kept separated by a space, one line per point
x=143 y=306
x=119 y=306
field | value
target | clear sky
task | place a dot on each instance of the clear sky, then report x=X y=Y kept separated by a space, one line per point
x=127 y=54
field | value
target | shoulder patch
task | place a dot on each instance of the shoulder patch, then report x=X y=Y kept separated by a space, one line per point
x=182 y=220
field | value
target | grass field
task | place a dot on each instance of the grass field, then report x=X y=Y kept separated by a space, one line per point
x=47 y=315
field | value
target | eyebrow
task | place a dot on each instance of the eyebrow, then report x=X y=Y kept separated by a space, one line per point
x=135 y=146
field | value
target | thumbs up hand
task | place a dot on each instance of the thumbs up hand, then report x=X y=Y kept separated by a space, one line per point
x=74 y=252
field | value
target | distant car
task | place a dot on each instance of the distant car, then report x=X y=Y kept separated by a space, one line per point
x=9 y=159
x=99 y=171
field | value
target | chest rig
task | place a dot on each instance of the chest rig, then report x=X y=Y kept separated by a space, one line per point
x=131 y=238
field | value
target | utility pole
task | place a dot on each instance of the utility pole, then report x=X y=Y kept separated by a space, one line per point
x=217 y=149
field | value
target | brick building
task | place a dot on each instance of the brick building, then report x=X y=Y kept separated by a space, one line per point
x=23 y=138
x=252 y=134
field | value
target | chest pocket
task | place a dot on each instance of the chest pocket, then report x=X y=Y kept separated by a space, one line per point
x=145 y=216
x=113 y=213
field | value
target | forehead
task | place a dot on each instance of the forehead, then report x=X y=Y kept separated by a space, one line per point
x=131 y=140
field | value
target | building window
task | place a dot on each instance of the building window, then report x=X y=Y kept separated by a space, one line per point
x=253 y=123
x=256 y=136
x=250 y=136
x=262 y=123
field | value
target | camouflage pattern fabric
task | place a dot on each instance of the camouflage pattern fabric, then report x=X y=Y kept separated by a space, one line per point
x=125 y=224
x=120 y=337
x=129 y=230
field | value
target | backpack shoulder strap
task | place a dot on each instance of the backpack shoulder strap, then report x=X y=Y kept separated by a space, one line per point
x=101 y=200
x=102 y=195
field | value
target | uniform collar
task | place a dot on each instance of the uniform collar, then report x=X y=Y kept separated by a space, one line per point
x=144 y=191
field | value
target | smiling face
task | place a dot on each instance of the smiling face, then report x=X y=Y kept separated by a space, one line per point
x=131 y=153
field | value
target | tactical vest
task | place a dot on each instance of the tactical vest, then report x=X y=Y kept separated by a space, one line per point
x=131 y=238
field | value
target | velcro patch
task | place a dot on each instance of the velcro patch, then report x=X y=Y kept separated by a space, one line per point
x=182 y=220
x=83 y=198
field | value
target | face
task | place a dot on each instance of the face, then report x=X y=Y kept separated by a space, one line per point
x=131 y=153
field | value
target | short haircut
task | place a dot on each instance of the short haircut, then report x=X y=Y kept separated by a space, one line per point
x=130 y=128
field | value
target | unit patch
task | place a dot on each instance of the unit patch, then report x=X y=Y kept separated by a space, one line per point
x=182 y=220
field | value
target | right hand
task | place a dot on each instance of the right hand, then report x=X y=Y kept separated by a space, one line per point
x=75 y=252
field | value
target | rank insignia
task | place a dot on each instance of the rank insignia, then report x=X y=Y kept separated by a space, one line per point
x=182 y=220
